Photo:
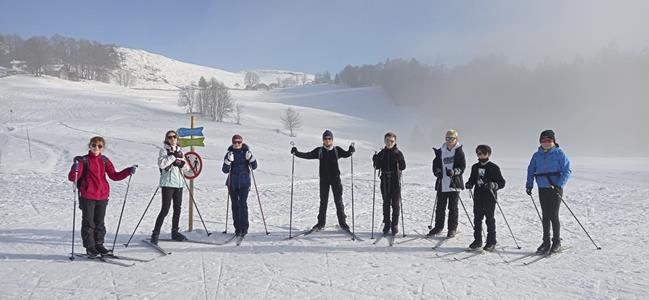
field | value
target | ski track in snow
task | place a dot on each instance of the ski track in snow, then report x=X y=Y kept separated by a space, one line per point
x=609 y=196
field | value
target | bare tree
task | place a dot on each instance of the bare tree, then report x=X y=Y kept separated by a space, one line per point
x=291 y=121
x=125 y=78
x=251 y=79
x=224 y=103
x=187 y=98
x=238 y=111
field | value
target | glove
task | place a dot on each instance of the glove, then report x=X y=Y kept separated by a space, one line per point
x=132 y=169
x=181 y=164
x=75 y=166
x=229 y=157
x=491 y=186
x=170 y=153
x=352 y=149
x=528 y=191
x=178 y=163
x=249 y=156
x=293 y=150
x=468 y=186
x=437 y=172
x=178 y=154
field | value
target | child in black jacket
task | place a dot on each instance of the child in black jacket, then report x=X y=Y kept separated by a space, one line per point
x=487 y=180
x=390 y=162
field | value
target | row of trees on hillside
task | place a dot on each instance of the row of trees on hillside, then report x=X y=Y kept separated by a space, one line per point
x=59 y=56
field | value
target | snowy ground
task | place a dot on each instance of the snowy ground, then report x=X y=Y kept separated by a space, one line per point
x=608 y=195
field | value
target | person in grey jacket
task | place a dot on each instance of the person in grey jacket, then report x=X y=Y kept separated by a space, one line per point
x=172 y=164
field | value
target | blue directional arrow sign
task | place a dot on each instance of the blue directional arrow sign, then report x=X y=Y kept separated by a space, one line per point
x=183 y=132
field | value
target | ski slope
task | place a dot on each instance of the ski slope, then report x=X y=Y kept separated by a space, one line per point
x=155 y=71
x=609 y=195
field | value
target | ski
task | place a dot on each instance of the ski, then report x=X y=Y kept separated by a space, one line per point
x=521 y=258
x=189 y=241
x=378 y=239
x=539 y=257
x=303 y=233
x=473 y=253
x=391 y=240
x=354 y=236
x=239 y=240
x=156 y=247
x=227 y=241
x=105 y=260
x=120 y=257
x=440 y=242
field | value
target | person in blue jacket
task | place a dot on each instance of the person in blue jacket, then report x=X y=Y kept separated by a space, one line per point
x=550 y=167
x=238 y=163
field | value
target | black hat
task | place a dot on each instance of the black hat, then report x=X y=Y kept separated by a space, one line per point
x=327 y=133
x=547 y=134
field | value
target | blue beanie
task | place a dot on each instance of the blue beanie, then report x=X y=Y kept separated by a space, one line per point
x=327 y=133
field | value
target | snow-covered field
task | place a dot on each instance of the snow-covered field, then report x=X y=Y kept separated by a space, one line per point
x=609 y=195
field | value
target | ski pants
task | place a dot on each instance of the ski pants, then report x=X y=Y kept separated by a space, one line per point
x=391 y=193
x=239 y=198
x=337 y=188
x=550 y=203
x=444 y=198
x=169 y=194
x=93 y=229
x=484 y=208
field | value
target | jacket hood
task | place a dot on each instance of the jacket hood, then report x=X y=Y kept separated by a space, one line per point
x=244 y=147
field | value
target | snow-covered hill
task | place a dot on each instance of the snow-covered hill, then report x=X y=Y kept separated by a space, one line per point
x=160 y=72
x=609 y=195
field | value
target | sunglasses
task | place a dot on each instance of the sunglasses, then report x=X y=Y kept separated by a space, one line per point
x=172 y=137
x=98 y=146
x=237 y=142
x=450 y=138
x=327 y=138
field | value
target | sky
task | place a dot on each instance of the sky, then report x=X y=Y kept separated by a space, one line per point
x=315 y=36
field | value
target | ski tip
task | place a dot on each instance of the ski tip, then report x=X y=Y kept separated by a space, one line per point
x=599 y=248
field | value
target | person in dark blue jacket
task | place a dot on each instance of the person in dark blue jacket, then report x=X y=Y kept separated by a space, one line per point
x=550 y=167
x=238 y=163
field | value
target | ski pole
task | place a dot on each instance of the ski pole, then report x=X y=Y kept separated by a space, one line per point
x=227 y=205
x=403 y=223
x=471 y=196
x=432 y=215
x=582 y=226
x=143 y=214
x=259 y=200
x=505 y=218
x=465 y=211
x=128 y=185
x=352 y=170
x=536 y=208
x=373 y=200
x=510 y=229
x=290 y=222
x=191 y=196
x=74 y=208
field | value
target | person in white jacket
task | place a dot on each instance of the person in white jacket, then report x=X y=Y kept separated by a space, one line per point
x=172 y=164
